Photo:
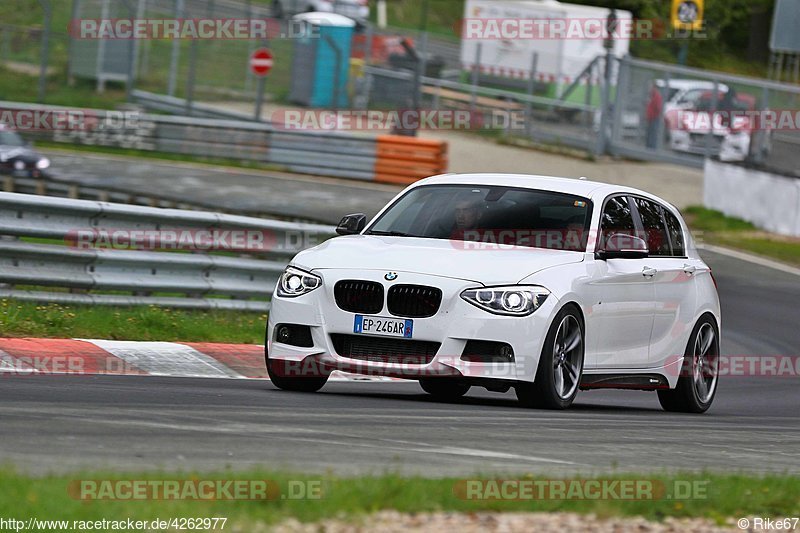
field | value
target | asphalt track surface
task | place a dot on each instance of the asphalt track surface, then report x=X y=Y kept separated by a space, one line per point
x=225 y=188
x=61 y=423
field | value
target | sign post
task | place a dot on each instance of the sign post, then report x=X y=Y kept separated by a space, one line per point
x=686 y=17
x=260 y=64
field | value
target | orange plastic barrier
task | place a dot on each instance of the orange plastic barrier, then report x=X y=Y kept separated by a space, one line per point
x=405 y=160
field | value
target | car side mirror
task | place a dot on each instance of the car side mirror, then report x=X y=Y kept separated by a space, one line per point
x=623 y=246
x=352 y=224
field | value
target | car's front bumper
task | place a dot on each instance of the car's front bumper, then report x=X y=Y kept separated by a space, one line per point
x=453 y=325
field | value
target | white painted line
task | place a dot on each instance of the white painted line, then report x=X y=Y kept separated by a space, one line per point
x=166 y=358
x=750 y=258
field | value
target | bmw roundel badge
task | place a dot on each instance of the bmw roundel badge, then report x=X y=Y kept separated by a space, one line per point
x=391 y=276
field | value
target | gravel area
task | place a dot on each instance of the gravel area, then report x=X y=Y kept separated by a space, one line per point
x=396 y=522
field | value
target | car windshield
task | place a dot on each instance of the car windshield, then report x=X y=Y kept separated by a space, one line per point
x=9 y=138
x=491 y=215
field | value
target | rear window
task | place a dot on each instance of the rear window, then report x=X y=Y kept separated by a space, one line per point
x=675 y=234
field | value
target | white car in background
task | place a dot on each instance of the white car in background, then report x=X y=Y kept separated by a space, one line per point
x=357 y=10
x=685 y=94
x=679 y=95
x=541 y=284
x=731 y=135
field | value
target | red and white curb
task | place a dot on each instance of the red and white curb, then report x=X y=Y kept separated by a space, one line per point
x=98 y=357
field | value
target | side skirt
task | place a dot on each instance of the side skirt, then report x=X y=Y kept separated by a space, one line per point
x=646 y=382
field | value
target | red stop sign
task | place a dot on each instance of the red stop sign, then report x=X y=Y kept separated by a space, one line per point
x=261 y=62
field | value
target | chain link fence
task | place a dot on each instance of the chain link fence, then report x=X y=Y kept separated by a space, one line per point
x=684 y=115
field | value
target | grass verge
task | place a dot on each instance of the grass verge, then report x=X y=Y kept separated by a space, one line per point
x=52 y=497
x=713 y=227
x=145 y=323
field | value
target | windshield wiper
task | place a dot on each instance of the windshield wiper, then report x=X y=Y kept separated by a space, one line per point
x=391 y=234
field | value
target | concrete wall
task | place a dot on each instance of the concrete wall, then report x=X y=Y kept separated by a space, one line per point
x=770 y=201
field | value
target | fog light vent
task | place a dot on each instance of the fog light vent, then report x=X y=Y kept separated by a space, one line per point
x=294 y=334
x=488 y=352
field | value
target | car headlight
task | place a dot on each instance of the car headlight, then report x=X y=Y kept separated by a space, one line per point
x=296 y=282
x=513 y=300
x=43 y=163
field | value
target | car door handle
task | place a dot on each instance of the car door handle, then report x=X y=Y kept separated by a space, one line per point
x=689 y=269
x=649 y=272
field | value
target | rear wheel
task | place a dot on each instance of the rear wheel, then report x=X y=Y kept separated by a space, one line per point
x=444 y=388
x=560 y=366
x=698 y=382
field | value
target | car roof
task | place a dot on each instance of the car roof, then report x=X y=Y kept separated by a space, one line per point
x=593 y=190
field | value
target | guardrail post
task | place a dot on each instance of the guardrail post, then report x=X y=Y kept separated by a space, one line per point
x=623 y=80
x=45 y=51
x=476 y=71
x=530 y=90
x=758 y=153
x=605 y=100
x=176 y=53
x=711 y=114
x=661 y=117
x=131 y=55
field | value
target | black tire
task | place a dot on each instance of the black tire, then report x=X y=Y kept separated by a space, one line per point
x=444 y=388
x=311 y=380
x=544 y=391
x=687 y=397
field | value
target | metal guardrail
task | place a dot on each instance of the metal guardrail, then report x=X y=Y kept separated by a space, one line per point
x=324 y=153
x=77 y=190
x=176 y=279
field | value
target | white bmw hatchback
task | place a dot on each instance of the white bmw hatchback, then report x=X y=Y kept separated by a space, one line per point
x=547 y=285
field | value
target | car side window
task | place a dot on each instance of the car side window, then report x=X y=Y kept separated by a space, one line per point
x=675 y=234
x=616 y=218
x=655 y=231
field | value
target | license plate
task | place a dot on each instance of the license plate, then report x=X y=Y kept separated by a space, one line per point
x=380 y=325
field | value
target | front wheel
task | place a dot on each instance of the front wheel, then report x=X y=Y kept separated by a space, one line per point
x=560 y=368
x=444 y=388
x=294 y=376
x=698 y=382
